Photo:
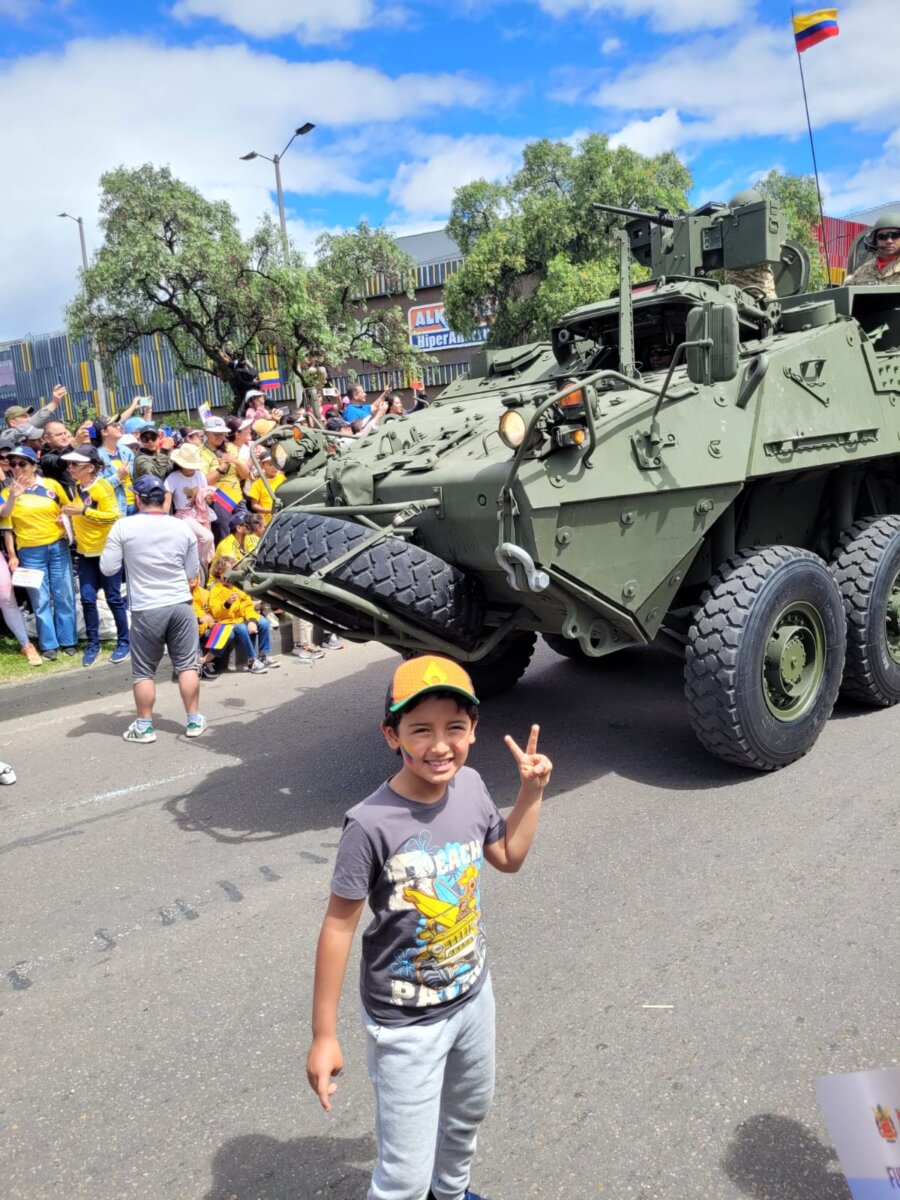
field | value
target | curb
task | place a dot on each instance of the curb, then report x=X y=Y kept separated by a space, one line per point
x=36 y=695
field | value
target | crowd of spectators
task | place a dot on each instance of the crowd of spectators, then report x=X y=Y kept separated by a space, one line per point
x=63 y=490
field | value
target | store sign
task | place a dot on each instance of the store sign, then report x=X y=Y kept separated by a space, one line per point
x=428 y=330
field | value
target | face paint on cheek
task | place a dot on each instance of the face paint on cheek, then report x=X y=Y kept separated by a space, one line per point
x=406 y=752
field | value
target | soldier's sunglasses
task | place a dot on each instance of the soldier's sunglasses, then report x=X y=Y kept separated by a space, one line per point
x=888 y=235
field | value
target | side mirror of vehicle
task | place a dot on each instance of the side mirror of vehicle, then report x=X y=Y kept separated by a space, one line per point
x=719 y=362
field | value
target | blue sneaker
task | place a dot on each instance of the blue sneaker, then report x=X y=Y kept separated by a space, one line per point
x=90 y=656
x=120 y=653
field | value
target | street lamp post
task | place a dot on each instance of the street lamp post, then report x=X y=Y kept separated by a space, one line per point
x=98 y=369
x=300 y=131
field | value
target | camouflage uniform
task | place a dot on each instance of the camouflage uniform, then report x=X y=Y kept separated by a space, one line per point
x=759 y=278
x=869 y=272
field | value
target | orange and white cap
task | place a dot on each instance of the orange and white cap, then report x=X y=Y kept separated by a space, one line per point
x=428 y=673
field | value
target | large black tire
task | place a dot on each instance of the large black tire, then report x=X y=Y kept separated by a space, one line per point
x=571 y=648
x=500 y=671
x=409 y=581
x=866 y=566
x=765 y=656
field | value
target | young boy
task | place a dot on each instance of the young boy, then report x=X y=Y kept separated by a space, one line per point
x=414 y=849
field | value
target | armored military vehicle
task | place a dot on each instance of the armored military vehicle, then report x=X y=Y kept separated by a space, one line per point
x=708 y=461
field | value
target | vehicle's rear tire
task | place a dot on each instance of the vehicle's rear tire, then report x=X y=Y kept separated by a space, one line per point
x=765 y=656
x=866 y=567
x=405 y=579
x=496 y=674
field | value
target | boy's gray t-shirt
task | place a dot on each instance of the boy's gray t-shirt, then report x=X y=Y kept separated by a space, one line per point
x=424 y=953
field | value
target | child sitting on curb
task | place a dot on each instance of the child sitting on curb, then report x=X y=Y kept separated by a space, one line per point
x=250 y=630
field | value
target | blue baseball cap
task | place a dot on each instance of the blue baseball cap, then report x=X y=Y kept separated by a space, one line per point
x=23 y=452
x=147 y=485
x=133 y=424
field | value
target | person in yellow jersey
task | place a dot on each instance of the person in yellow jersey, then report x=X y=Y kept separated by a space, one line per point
x=258 y=494
x=227 y=498
x=231 y=606
x=93 y=513
x=35 y=537
x=246 y=530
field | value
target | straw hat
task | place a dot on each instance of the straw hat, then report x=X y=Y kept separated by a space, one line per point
x=187 y=456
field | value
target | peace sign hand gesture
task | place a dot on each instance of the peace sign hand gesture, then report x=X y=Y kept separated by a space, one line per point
x=534 y=768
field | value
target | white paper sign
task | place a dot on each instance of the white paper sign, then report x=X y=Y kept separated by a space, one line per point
x=27 y=577
x=862 y=1112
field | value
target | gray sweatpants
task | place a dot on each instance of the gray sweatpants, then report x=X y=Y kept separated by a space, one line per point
x=433 y=1088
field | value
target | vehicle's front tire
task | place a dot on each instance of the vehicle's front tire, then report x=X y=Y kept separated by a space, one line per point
x=866 y=567
x=406 y=579
x=765 y=657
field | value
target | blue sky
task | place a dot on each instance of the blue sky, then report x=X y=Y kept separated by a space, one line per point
x=411 y=100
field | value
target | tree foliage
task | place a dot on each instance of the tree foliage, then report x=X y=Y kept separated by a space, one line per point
x=799 y=199
x=173 y=263
x=535 y=247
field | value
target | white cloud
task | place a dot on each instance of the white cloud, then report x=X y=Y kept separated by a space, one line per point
x=610 y=45
x=665 y=15
x=423 y=188
x=722 y=89
x=98 y=104
x=309 y=20
x=876 y=181
x=652 y=136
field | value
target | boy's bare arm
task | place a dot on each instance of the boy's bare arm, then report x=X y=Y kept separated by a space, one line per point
x=510 y=851
x=325 y=1059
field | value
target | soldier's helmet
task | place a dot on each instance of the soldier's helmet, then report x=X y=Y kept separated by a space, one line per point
x=887 y=220
x=748 y=196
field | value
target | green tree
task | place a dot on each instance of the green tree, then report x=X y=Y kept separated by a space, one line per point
x=799 y=199
x=534 y=245
x=173 y=263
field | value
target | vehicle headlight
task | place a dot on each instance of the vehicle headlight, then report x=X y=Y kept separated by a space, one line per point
x=279 y=455
x=512 y=428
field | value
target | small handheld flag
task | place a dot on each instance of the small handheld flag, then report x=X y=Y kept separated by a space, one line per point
x=812 y=28
x=269 y=379
x=219 y=636
x=224 y=500
x=204 y=412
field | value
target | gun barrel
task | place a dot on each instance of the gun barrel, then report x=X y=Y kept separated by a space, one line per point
x=658 y=218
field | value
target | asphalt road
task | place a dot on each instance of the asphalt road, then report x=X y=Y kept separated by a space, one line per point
x=686 y=949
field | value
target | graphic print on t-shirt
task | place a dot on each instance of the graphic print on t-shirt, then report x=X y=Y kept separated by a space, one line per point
x=441 y=884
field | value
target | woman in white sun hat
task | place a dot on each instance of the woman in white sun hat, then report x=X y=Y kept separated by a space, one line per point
x=186 y=492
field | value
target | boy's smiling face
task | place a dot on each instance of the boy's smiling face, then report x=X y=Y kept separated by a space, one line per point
x=433 y=740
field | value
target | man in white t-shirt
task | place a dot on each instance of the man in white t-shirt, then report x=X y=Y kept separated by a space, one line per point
x=159 y=554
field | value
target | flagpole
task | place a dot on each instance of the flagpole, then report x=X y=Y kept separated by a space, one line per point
x=812 y=146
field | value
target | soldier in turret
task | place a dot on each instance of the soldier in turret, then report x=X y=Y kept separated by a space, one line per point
x=883 y=239
x=758 y=279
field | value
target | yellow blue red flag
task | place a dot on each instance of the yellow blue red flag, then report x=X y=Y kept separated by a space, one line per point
x=812 y=28
x=219 y=637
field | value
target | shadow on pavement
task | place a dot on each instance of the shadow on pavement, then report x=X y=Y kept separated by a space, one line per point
x=307 y=759
x=771 y=1157
x=259 y=1167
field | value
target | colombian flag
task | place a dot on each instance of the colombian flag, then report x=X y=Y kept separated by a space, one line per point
x=219 y=637
x=815 y=27
x=224 y=500
x=269 y=379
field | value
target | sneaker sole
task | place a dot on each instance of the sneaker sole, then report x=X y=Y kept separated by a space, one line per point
x=195 y=732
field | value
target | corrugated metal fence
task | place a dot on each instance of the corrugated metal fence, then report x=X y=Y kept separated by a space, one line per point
x=31 y=368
